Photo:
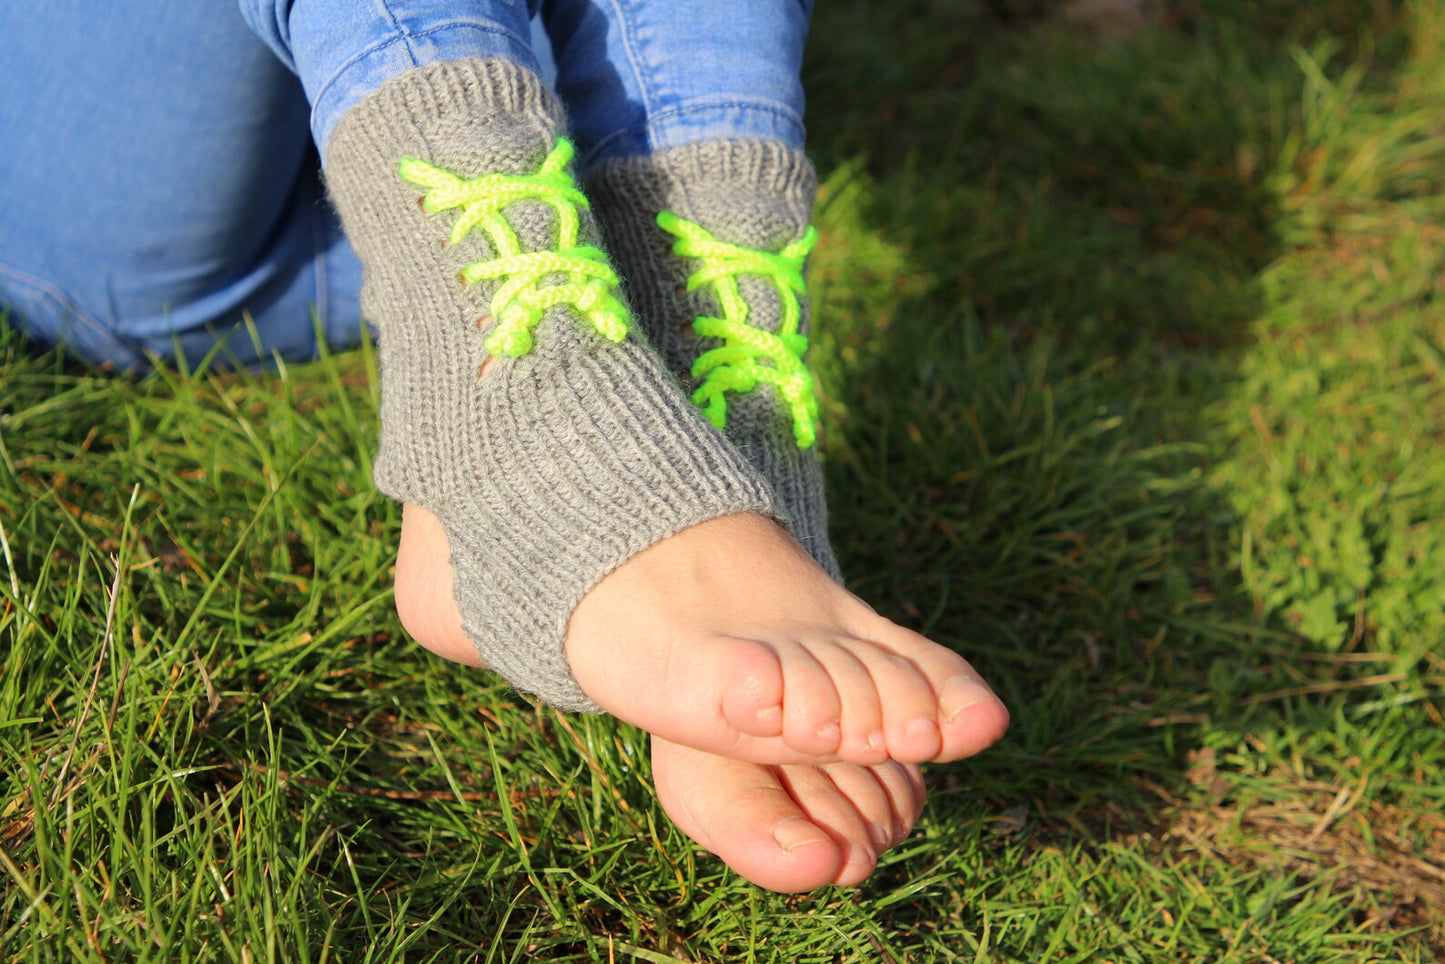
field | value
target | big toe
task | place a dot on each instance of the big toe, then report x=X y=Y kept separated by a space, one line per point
x=970 y=718
x=741 y=813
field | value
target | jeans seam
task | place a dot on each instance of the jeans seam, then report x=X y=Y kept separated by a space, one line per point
x=56 y=296
x=321 y=328
x=644 y=79
x=402 y=34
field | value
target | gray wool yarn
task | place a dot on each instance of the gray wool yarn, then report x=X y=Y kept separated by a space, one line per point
x=555 y=467
x=753 y=193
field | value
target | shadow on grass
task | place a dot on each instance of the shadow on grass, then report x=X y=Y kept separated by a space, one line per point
x=1056 y=266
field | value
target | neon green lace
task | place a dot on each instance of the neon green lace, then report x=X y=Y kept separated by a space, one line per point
x=749 y=356
x=521 y=301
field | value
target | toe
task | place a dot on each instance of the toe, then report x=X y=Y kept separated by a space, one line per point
x=903 y=783
x=812 y=709
x=752 y=699
x=871 y=800
x=862 y=740
x=715 y=693
x=910 y=709
x=967 y=717
x=743 y=813
x=833 y=809
x=970 y=717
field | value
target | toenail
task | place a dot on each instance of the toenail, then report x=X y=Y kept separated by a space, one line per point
x=830 y=732
x=795 y=832
x=881 y=840
x=961 y=692
x=773 y=714
x=900 y=832
x=876 y=741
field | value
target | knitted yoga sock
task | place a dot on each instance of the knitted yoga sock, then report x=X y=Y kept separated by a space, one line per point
x=574 y=451
x=717 y=281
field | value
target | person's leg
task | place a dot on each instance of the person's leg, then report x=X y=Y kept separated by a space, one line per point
x=696 y=109
x=161 y=189
x=175 y=301
x=575 y=486
x=691 y=114
x=518 y=404
x=535 y=441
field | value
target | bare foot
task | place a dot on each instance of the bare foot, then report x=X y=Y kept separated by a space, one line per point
x=729 y=638
x=788 y=828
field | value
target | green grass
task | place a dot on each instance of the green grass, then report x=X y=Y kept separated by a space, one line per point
x=1134 y=371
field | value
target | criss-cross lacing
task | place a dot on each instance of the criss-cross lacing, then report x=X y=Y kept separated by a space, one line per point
x=749 y=356
x=520 y=302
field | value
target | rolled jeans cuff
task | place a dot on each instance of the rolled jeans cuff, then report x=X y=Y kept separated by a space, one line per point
x=697 y=122
x=393 y=56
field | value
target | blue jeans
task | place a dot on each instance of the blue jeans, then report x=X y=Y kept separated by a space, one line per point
x=161 y=190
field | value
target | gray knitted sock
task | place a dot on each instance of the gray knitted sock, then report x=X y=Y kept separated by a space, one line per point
x=754 y=194
x=575 y=451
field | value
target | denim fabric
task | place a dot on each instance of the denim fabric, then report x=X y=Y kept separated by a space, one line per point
x=159 y=183
x=161 y=192
x=641 y=76
x=344 y=49
x=636 y=75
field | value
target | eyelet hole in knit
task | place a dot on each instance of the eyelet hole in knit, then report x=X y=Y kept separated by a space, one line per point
x=749 y=356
